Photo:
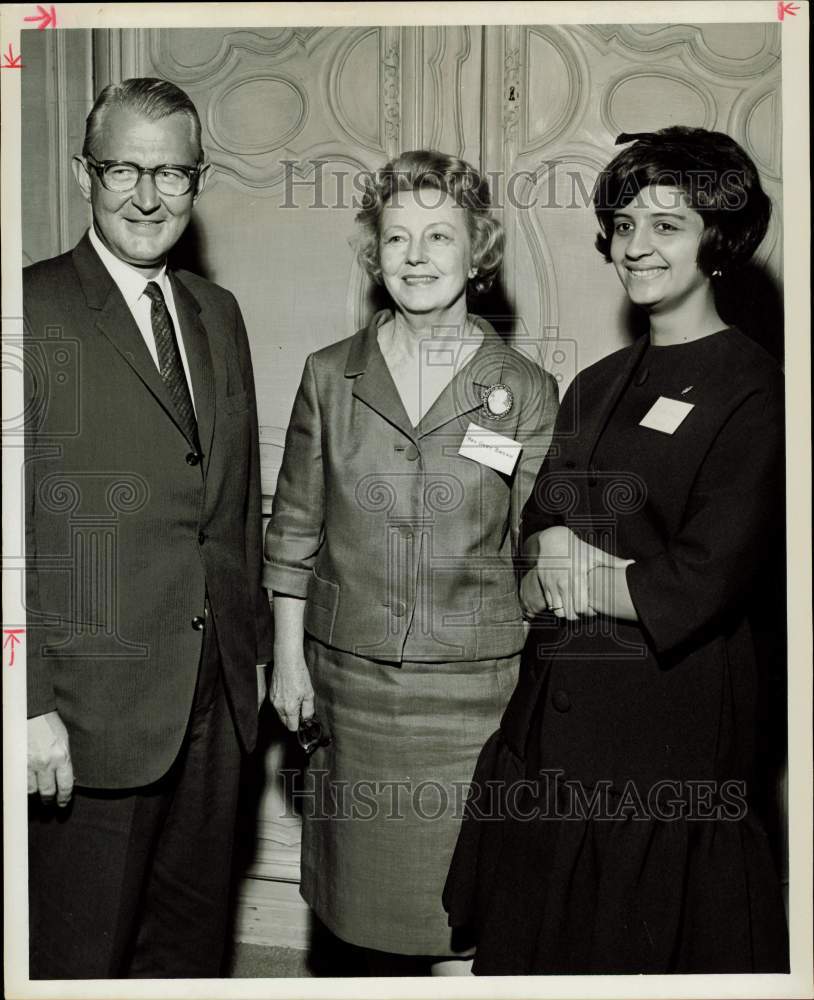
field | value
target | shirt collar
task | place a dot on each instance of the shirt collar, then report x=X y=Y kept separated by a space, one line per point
x=131 y=281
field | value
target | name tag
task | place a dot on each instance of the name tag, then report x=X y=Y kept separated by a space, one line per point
x=665 y=415
x=489 y=448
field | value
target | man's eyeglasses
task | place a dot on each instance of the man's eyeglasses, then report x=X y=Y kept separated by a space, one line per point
x=121 y=176
x=311 y=737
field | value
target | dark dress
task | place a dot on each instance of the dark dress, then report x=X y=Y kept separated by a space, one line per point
x=610 y=827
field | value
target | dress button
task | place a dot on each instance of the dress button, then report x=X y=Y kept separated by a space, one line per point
x=192 y=458
x=399 y=608
x=570 y=465
x=561 y=701
x=411 y=453
x=201 y=537
x=198 y=623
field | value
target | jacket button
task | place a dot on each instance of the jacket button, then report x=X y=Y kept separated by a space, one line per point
x=411 y=453
x=561 y=701
x=198 y=623
x=399 y=609
x=193 y=458
x=201 y=537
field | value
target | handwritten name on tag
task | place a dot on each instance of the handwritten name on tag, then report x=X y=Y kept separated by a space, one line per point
x=488 y=448
x=666 y=414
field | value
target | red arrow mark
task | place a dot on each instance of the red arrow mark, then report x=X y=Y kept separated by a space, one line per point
x=11 y=61
x=48 y=18
x=12 y=640
x=786 y=8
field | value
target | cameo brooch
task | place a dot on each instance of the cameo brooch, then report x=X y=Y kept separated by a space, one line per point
x=497 y=400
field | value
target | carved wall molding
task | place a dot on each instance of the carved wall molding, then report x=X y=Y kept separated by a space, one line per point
x=683 y=39
x=434 y=65
x=464 y=51
x=511 y=93
x=218 y=129
x=536 y=191
x=391 y=93
x=266 y=179
x=333 y=91
x=741 y=118
x=118 y=54
x=61 y=174
x=228 y=53
x=639 y=74
x=579 y=87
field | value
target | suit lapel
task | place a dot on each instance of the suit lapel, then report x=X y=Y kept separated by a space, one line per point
x=463 y=393
x=595 y=423
x=373 y=383
x=199 y=358
x=115 y=321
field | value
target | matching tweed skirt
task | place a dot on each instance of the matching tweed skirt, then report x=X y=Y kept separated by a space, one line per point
x=382 y=805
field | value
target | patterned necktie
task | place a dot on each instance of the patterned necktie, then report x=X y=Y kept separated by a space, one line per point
x=169 y=362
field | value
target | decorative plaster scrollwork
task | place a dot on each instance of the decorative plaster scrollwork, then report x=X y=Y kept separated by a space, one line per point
x=678 y=38
x=391 y=95
x=511 y=95
x=228 y=53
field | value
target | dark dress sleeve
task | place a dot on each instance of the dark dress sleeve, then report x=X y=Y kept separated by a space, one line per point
x=709 y=567
x=546 y=504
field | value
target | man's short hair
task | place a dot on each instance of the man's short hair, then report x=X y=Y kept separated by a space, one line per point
x=146 y=96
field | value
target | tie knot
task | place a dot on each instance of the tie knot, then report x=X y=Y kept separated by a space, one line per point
x=153 y=291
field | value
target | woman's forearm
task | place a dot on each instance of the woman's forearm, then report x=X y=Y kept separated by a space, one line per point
x=289 y=628
x=608 y=593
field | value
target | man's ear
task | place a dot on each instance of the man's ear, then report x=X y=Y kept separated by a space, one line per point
x=200 y=184
x=82 y=176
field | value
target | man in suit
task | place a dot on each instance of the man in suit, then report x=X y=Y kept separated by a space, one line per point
x=146 y=616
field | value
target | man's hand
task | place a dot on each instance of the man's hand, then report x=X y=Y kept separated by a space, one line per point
x=50 y=771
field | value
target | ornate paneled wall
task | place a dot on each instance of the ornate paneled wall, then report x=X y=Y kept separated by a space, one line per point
x=293 y=117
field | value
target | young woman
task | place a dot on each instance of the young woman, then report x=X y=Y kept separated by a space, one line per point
x=622 y=838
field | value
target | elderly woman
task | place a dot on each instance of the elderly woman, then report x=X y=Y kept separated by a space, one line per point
x=411 y=449
x=625 y=838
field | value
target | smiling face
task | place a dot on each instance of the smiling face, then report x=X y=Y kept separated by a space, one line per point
x=425 y=251
x=140 y=226
x=654 y=249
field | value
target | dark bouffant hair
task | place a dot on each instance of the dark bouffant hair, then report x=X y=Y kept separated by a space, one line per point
x=719 y=179
x=427 y=168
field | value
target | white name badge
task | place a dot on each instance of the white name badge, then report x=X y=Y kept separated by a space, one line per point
x=488 y=448
x=665 y=415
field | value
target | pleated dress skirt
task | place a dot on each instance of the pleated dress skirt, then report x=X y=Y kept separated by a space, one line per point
x=382 y=804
